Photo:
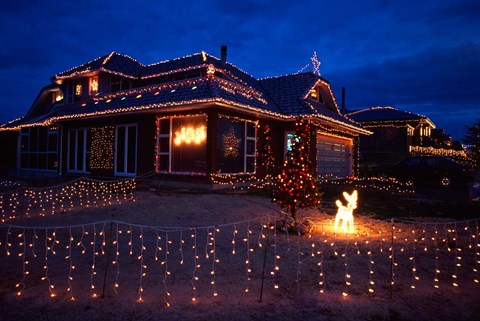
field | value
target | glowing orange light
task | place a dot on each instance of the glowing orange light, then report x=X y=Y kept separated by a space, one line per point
x=210 y=70
x=93 y=85
x=345 y=213
x=190 y=135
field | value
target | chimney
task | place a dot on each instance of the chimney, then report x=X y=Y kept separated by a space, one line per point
x=223 y=52
x=343 y=101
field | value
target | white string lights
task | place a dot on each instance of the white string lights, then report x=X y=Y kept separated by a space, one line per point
x=27 y=202
x=329 y=256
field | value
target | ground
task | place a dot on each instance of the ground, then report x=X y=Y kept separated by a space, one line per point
x=148 y=236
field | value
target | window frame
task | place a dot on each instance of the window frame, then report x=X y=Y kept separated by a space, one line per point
x=125 y=173
x=85 y=151
x=245 y=139
x=50 y=131
x=170 y=153
x=90 y=85
x=122 y=81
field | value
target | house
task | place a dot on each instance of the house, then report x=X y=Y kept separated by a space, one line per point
x=398 y=134
x=192 y=119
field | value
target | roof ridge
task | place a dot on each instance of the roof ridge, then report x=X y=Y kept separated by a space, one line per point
x=286 y=75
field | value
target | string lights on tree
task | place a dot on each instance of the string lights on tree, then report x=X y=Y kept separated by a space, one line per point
x=296 y=184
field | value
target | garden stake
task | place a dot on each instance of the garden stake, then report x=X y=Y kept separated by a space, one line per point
x=108 y=257
x=263 y=268
x=391 y=262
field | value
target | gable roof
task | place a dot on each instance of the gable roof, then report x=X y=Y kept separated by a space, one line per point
x=284 y=97
x=386 y=114
x=113 y=62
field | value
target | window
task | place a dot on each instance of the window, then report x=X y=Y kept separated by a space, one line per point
x=78 y=90
x=119 y=84
x=93 y=86
x=38 y=148
x=79 y=147
x=57 y=96
x=316 y=94
x=70 y=92
x=290 y=136
x=236 y=146
x=126 y=150
x=181 y=145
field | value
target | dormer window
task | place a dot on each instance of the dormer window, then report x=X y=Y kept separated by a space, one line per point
x=93 y=86
x=119 y=84
x=57 y=96
x=316 y=94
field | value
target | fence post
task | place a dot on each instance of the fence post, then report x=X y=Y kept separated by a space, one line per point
x=263 y=268
x=391 y=261
x=108 y=257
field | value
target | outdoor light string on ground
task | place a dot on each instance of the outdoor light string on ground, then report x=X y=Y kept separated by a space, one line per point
x=411 y=244
x=16 y=236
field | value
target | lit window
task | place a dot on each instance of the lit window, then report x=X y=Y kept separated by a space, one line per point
x=78 y=90
x=316 y=94
x=237 y=146
x=93 y=89
x=181 y=145
x=57 y=96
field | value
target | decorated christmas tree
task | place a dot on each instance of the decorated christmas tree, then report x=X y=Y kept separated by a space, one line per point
x=296 y=184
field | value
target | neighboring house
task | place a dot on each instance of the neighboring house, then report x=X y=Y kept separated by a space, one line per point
x=192 y=119
x=395 y=132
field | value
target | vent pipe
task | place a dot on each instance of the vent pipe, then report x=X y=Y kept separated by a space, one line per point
x=223 y=54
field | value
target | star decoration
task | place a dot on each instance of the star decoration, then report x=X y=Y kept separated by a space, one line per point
x=316 y=64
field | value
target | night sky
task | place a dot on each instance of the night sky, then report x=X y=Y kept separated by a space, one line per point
x=418 y=56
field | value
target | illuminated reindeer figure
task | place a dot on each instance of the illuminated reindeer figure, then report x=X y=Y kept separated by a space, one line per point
x=345 y=213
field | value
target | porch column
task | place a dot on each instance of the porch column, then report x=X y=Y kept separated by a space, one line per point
x=212 y=138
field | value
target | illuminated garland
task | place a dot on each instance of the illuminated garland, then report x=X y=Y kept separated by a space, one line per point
x=421 y=150
x=296 y=186
x=388 y=184
x=413 y=246
x=102 y=147
x=60 y=76
x=316 y=64
x=28 y=201
x=265 y=152
x=9 y=183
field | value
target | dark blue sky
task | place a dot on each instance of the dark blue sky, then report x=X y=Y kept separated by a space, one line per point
x=418 y=56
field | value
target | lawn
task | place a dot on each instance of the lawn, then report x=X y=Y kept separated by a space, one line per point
x=192 y=255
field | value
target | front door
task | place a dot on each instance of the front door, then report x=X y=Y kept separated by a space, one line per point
x=126 y=150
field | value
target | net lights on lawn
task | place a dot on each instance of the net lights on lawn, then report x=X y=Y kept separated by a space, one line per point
x=457 y=241
x=61 y=198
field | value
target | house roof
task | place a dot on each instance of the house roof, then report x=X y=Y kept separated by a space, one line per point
x=113 y=62
x=385 y=114
x=282 y=97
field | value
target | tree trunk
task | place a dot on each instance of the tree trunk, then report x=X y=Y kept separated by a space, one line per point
x=293 y=212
